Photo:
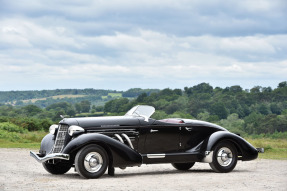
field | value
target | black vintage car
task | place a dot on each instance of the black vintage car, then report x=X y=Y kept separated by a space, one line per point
x=93 y=144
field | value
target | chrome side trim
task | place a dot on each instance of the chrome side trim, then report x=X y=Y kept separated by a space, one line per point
x=208 y=157
x=128 y=140
x=50 y=156
x=155 y=156
x=119 y=138
x=113 y=130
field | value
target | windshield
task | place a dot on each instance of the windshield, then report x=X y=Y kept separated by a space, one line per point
x=141 y=110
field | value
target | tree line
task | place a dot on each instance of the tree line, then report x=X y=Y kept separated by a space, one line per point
x=260 y=110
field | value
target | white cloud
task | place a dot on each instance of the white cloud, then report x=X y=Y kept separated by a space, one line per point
x=125 y=44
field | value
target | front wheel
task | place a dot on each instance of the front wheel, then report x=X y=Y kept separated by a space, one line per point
x=91 y=161
x=224 y=157
x=183 y=166
x=58 y=168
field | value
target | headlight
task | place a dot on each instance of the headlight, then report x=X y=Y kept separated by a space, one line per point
x=53 y=129
x=74 y=130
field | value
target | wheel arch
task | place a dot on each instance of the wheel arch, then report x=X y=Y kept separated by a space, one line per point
x=119 y=154
x=99 y=143
x=244 y=149
x=238 y=148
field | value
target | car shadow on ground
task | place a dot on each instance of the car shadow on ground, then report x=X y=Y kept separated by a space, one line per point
x=166 y=172
x=122 y=174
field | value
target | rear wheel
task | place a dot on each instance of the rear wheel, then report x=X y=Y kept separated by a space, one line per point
x=58 y=168
x=224 y=157
x=183 y=166
x=91 y=161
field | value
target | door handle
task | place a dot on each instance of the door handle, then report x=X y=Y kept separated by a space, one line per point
x=188 y=128
x=153 y=131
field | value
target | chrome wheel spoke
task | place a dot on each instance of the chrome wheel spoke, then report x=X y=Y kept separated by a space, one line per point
x=224 y=156
x=93 y=162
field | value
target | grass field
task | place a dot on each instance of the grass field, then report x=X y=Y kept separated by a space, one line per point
x=53 y=97
x=274 y=148
x=113 y=95
x=30 y=140
x=8 y=144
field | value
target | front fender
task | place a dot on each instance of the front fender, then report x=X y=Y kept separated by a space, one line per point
x=47 y=144
x=122 y=154
x=247 y=151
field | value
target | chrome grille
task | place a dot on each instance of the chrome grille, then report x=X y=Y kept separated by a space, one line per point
x=60 y=139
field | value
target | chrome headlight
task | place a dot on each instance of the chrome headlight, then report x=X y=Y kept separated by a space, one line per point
x=74 y=130
x=53 y=129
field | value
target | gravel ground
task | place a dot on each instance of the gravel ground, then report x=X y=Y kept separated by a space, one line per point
x=19 y=171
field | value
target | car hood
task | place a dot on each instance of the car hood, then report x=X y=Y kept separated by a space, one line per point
x=93 y=122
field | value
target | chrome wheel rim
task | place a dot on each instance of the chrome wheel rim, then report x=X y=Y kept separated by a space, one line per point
x=224 y=156
x=93 y=162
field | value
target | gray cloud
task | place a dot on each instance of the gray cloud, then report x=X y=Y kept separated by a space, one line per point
x=151 y=44
x=180 y=17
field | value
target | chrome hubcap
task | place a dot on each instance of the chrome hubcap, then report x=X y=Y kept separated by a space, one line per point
x=93 y=162
x=224 y=156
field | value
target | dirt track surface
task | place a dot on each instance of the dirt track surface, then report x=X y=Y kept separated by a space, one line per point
x=19 y=171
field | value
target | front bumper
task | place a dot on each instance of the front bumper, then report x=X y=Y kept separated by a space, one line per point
x=50 y=156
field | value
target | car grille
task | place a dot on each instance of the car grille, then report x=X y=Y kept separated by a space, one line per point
x=60 y=139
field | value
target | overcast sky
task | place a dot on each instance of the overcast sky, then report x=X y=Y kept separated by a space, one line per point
x=122 y=44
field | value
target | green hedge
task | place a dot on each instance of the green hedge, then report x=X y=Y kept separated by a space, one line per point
x=11 y=127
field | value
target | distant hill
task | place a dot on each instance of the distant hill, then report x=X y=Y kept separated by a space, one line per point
x=43 y=98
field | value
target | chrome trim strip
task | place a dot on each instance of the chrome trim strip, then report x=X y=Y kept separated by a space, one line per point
x=104 y=130
x=119 y=137
x=118 y=131
x=50 y=156
x=155 y=156
x=128 y=140
x=208 y=157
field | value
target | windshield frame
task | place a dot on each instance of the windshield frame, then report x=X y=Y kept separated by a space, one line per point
x=144 y=111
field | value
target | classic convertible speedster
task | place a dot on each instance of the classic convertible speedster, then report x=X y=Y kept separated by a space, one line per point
x=93 y=144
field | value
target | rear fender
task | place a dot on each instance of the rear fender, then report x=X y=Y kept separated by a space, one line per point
x=122 y=155
x=247 y=151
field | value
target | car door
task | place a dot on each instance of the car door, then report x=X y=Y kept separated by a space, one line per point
x=161 y=139
x=191 y=136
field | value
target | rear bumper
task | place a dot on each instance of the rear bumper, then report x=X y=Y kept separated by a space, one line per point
x=260 y=150
x=50 y=156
